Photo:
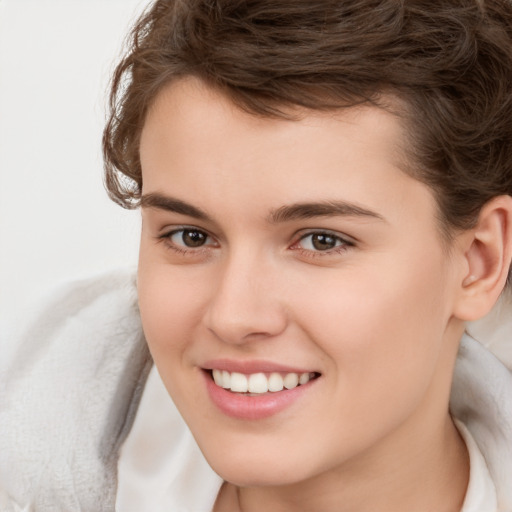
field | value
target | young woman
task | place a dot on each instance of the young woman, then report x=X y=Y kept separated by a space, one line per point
x=325 y=191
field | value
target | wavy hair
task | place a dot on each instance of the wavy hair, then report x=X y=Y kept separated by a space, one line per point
x=449 y=62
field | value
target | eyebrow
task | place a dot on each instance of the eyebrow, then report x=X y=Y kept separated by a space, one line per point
x=287 y=213
x=170 y=204
x=321 y=209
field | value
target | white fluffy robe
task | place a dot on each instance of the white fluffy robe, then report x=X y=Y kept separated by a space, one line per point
x=482 y=399
x=71 y=386
x=68 y=395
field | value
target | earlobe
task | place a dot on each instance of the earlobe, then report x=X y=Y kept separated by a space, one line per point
x=488 y=253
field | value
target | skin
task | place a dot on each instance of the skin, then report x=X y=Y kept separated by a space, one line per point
x=375 y=315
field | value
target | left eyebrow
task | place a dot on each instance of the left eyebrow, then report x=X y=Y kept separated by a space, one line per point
x=302 y=211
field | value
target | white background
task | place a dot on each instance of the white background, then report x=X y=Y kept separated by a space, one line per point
x=56 y=222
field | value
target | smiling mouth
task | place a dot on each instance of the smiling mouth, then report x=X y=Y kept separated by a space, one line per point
x=257 y=384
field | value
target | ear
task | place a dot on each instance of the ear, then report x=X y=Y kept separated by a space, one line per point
x=487 y=253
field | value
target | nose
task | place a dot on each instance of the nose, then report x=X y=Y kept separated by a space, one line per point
x=247 y=303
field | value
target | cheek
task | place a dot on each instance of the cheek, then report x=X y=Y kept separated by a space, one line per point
x=170 y=302
x=383 y=332
x=170 y=312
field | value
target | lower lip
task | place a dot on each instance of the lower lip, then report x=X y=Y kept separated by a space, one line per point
x=246 y=407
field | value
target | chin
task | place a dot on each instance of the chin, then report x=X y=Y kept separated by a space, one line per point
x=258 y=467
x=245 y=474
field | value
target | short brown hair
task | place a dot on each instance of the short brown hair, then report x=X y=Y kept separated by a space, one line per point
x=448 y=61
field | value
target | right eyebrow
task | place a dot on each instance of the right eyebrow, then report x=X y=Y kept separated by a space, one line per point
x=321 y=209
x=171 y=204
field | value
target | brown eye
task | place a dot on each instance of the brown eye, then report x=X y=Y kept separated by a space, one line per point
x=192 y=238
x=323 y=242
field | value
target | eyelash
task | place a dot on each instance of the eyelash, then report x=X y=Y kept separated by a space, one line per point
x=183 y=249
x=342 y=244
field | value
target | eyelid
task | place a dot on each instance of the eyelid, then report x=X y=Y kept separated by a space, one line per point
x=176 y=228
x=349 y=240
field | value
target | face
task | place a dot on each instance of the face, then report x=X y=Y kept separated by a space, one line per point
x=278 y=251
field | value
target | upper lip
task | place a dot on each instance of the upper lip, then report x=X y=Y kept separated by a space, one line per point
x=253 y=366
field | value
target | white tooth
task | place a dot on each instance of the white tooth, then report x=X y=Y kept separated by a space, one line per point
x=275 y=382
x=217 y=377
x=258 y=383
x=226 y=379
x=291 y=380
x=238 y=382
x=304 y=378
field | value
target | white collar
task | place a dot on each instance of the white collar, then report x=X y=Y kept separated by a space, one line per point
x=481 y=492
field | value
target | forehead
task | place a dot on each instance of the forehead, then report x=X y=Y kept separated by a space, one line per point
x=198 y=144
x=188 y=111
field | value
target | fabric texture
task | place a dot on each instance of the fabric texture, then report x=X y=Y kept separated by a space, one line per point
x=481 y=492
x=71 y=387
x=481 y=399
x=68 y=396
